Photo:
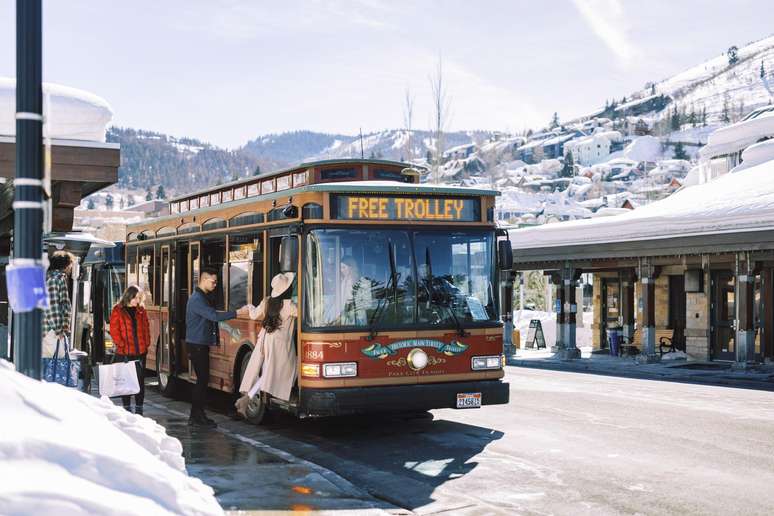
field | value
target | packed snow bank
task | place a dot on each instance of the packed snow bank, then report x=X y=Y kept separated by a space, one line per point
x=66 y=453
x=71 y=114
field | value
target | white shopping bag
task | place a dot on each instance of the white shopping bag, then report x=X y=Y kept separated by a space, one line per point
x=119 y=379
x=49 y=345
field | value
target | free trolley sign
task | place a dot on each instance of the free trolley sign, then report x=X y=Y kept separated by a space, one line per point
x=380 y=207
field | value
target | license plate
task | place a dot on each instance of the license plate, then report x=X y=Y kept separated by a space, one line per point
x=469 y=400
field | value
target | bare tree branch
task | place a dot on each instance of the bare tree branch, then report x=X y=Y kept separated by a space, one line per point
x=408 y=115
x=441 y=110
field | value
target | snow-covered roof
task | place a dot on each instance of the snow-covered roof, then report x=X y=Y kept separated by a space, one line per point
x=70 y=114
x=735 y=137
x=742 y=201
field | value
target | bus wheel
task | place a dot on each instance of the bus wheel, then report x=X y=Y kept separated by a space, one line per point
x=167 y=383
x=256 y=409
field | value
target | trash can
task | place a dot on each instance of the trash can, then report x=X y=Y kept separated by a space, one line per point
x=612 y=339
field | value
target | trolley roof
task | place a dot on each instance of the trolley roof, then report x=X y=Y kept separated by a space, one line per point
x=362 y=187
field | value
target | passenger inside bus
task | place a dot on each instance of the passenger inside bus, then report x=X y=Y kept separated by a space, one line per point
x=354 y=295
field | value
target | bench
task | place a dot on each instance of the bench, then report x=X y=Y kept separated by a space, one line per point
x=675 y=341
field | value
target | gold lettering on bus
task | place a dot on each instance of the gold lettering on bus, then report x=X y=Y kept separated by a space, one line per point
x=398 y=208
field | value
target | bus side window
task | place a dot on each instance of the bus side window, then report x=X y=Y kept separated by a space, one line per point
x=245 y=270
x=214 y=255
x=145 y=273
x=131 y=264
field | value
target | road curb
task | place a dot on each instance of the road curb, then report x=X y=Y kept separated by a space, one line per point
x=671 y=374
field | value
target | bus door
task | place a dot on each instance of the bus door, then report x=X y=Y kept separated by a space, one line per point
x=181 y=271
x=165 y=353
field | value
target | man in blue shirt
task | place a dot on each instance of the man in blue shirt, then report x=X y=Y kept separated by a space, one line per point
x=201 y=332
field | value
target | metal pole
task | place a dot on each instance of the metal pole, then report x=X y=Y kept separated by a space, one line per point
x=28 y=206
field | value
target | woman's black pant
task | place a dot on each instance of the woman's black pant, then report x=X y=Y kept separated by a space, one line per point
x=140 y=396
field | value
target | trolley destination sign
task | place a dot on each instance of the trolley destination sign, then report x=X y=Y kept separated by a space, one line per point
x=378 y=207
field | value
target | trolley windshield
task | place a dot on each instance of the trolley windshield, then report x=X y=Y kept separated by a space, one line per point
x=369 y=278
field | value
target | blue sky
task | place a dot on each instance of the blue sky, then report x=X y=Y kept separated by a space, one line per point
x=228 y=71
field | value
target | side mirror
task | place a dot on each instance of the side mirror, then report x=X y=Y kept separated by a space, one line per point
x=505 y=255
x=288 y=254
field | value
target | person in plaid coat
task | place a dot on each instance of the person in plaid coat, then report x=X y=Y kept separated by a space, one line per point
x=130 y=329
x=57 y=317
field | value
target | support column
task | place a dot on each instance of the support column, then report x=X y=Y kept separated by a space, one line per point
x=568 y=285
x=648 y=302
x=744 y=318
x=558 y=307
x=509 y=347
x=627 y=305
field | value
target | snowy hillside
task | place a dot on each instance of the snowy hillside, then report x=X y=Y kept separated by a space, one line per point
x=720 y=86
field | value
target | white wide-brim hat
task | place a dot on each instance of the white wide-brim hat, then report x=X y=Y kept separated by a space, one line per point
x=281 y=282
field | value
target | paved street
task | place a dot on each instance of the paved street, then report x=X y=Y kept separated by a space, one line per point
x=568 y=443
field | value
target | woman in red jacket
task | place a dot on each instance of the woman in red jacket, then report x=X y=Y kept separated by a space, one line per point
x=130 y=330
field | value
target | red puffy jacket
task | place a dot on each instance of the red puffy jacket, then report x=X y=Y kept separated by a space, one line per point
x=122 y=332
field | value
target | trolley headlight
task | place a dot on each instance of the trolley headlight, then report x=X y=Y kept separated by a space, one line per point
x=484 y=363
x=340 y=370
x=417 y=359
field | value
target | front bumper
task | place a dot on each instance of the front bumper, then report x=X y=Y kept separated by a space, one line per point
x=397 y=398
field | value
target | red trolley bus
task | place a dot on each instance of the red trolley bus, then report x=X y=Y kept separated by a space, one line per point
x=416 y=326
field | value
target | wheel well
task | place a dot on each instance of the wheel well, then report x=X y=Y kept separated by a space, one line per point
x=244 y=349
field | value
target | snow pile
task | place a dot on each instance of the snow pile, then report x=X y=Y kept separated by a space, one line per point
x=70 y=114
x=644 y=148
x=743 y=201
x=64 y=452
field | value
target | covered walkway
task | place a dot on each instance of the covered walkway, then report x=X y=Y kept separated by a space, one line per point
x=696 y=268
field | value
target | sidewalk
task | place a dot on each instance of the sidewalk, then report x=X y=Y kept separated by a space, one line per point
x=712 y=373
x=250 y=477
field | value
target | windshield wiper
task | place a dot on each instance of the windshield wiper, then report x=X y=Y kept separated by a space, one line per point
x=376 y=316
x=442 y=300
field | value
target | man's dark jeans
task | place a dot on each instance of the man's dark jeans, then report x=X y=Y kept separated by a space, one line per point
x=200 y=358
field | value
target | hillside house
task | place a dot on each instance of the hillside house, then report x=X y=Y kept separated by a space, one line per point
x=593 y=149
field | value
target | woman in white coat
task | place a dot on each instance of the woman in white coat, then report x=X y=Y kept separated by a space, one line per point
x=275 y=349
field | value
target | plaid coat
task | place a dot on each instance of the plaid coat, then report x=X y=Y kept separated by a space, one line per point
x=57 y=316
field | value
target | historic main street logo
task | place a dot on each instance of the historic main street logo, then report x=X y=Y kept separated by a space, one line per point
x=380 y=351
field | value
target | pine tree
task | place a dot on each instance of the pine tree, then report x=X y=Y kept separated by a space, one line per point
x=121 y=204
x=130 y=202
x=91 y=205
x=554 y=121
x=653 y=88
x=148 y=194
x=569 y=165
x=733 y=57
x=679 y=152
x=257 y=171
x=109 y=202
x=692 y=117
x=160 y=193
x=674 y=122
x=724 y=115
x=704 y=116
x=763 y=70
